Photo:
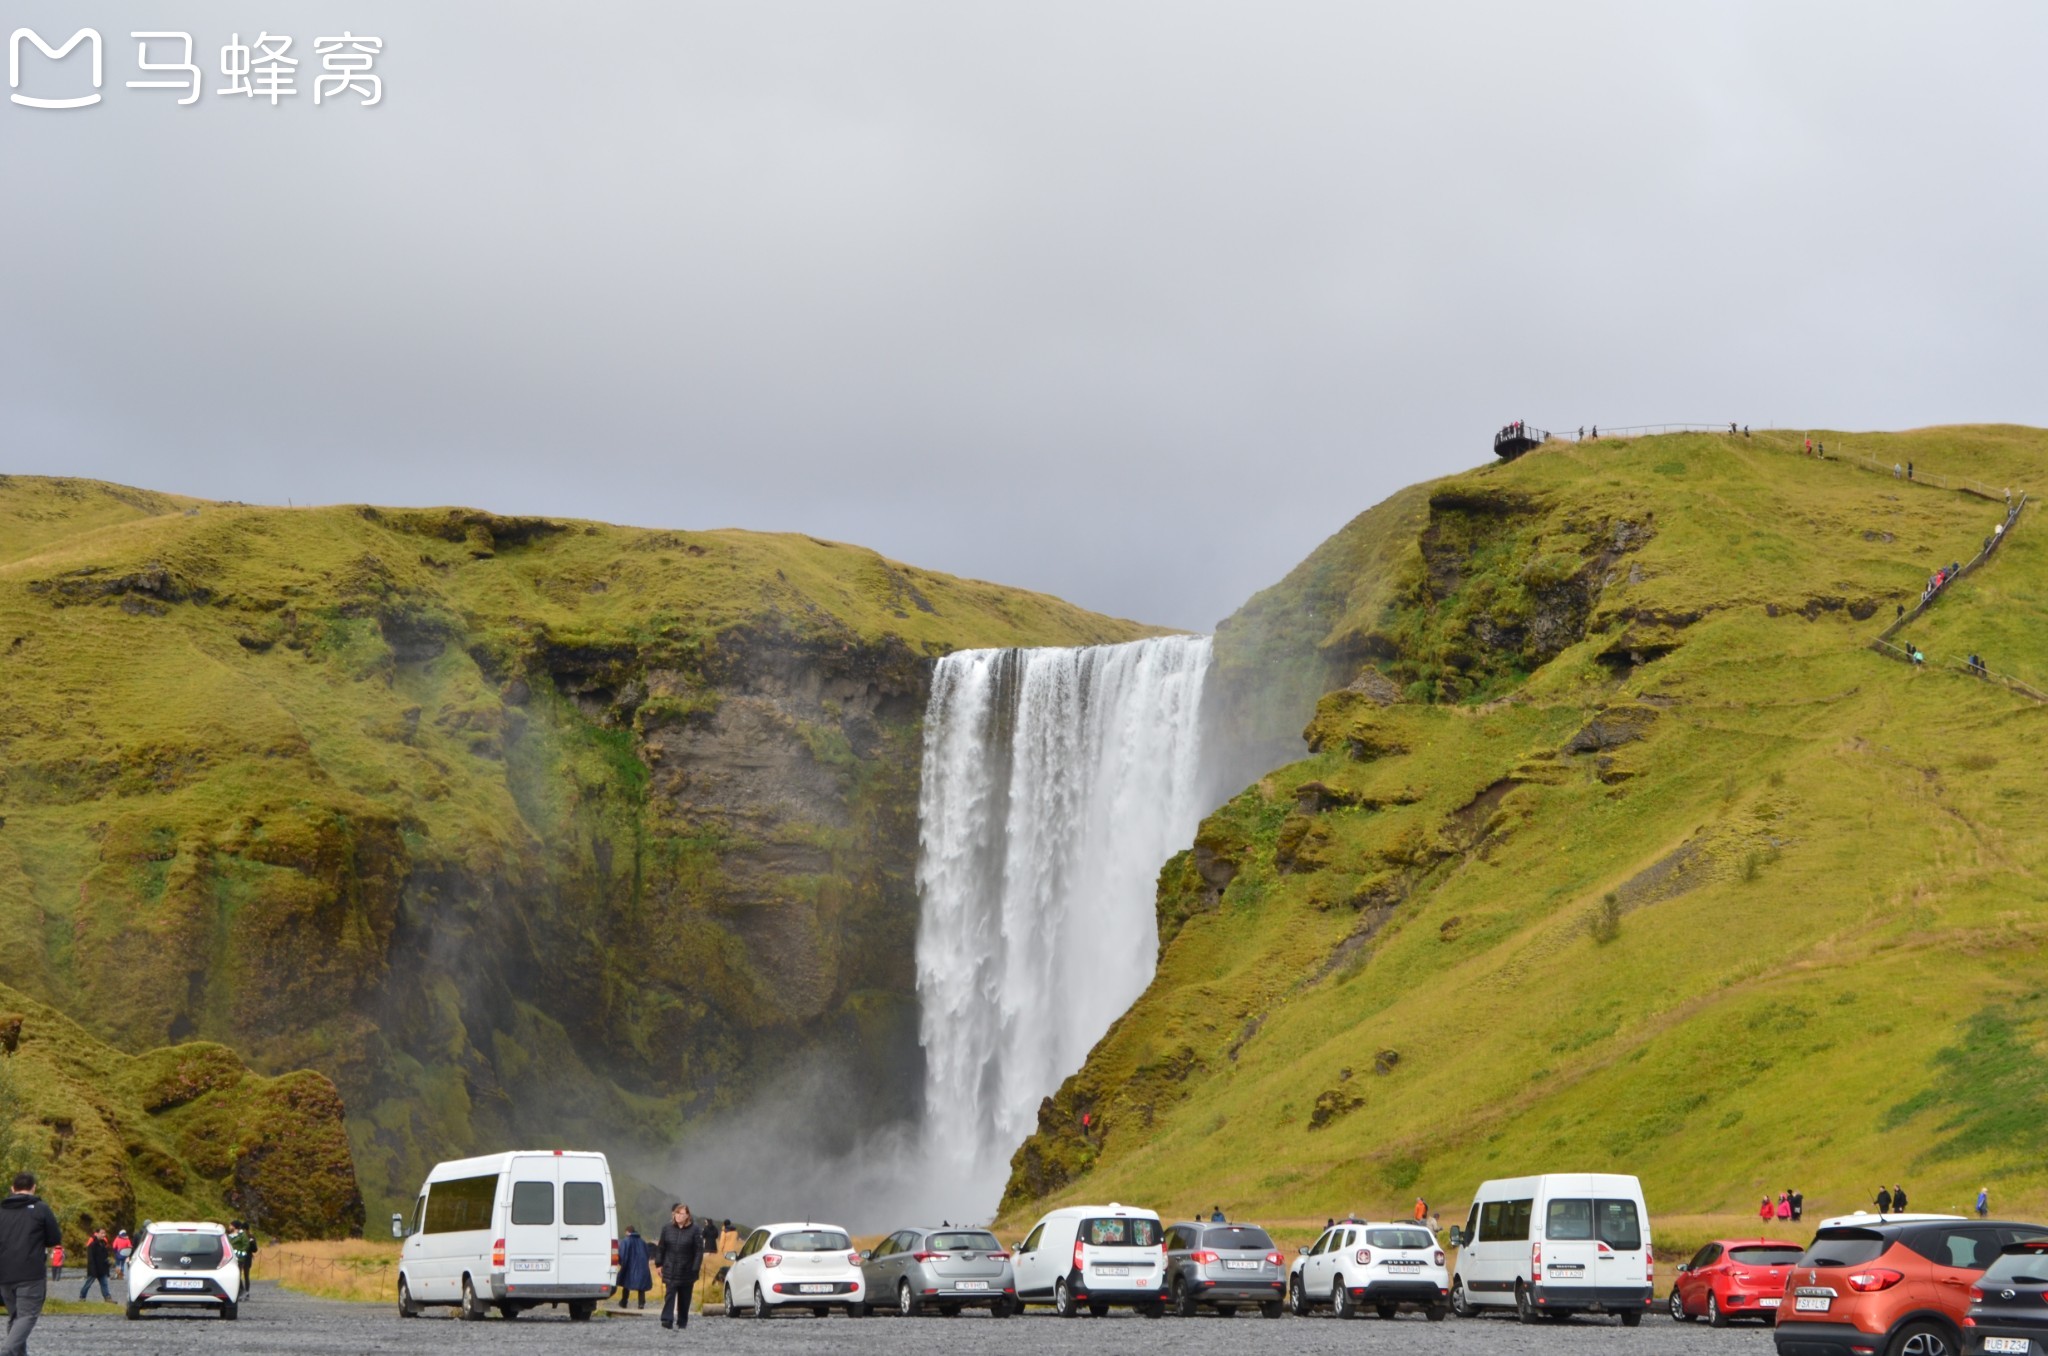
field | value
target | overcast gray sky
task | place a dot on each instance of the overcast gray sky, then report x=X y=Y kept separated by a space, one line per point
x=1130 y=302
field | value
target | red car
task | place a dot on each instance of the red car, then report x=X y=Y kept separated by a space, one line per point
x=1734 y=1278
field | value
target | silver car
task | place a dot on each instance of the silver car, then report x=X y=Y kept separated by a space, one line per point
x=946 y=1269
x=1222 y=1266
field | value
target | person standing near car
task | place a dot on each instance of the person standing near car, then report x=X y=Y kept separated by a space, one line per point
x=98 y=1262
x=633 y=1271
x=680 y=1254
x=27 y=1228
x=244 y=1244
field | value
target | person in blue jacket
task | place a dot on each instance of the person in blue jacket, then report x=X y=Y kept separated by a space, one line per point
x=634 y=1275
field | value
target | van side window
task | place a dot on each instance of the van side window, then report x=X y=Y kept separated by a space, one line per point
x=533 y=1202
x=1492 y=1227
x=1472 y=1223
x=461 y=1204
x=583 y=1203
x=1031 y=1243
x=419 y=1215
x=1515 y=1221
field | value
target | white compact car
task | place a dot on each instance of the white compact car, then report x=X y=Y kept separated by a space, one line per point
x=1357 y=1266
x=184 y=1266
x=795 y=1266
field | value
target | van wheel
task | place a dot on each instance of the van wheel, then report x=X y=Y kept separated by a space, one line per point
x=761 y=1309
x=1341 y=1303
x=1063 y=1300
x=1715 y=1318
x=1525 y=1304
x=1461 y=1303
x=1184 y=1305
x=1297 y=1298
x=471 y=1307
x=580 y=1311
x=406 y=1308
x=1631 y=1318
x=1677 y=1307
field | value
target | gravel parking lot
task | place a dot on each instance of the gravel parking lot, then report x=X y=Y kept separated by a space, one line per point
x=275 y=1321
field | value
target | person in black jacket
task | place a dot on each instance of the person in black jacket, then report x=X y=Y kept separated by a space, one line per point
x=28 y=1230
x=99 y=1261
x=680 y=1255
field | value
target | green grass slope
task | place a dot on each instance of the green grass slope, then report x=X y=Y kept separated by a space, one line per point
x=1622 y=852
x=180 y=1132
x=514 y=827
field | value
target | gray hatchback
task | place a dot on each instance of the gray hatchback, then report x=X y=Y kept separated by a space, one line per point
x=1224 y=1266
x=945 y=1269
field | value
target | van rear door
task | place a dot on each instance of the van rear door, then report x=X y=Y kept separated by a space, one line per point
x=531 y=1226
x=587 y=1222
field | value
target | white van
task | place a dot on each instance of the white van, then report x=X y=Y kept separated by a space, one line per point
x=1094 y=1256
x=515 y=1230
x=1563 y=1243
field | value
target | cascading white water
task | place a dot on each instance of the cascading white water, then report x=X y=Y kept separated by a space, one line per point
x=1056 y=783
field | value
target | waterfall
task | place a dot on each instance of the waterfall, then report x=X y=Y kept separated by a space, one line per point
x=1056 y=783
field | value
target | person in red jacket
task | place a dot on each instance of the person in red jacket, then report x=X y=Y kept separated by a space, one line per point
x=1764 y=1211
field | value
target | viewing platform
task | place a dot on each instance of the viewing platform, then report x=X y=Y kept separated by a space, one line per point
x=1516 y=438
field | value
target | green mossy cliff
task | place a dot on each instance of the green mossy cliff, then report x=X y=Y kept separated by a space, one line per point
x=1613 y=846
x=180 y=1132
x=519 y=829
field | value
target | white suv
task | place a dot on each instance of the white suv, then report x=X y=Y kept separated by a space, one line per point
x=796 y=1266
x=1357 y=1266
x=184 y=1266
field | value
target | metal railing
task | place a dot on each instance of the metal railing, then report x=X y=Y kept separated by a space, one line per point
x=2005 y=680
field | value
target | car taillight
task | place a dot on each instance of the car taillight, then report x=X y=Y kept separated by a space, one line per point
x=615 y=1252
x=1363 y=1257
x=927 y=1256
x=1274 y=1259
x=498 y=1254
x=1535 y=1261
x=853 y=1259
x=1079 y=1256
x=1437 y=1257
x=1203 y=1257
x=1877 y=1278
x=771 y=1259
x=1976 y=1295
x=997 y=1256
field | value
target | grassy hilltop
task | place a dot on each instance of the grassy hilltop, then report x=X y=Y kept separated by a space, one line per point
x=1616 y=848
x=517 y=828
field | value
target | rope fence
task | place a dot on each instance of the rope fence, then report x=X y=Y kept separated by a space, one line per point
x=2025 y=689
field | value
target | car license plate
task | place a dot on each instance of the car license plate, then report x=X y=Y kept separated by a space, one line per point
x=1112 y=1271
x=532 y=1264
x=972 y=1285
x=1807 y=1304
x=1241 y=1266
x=1770 y=1303
x=814 y=1289
x=1405 y=1266
x=2017 y=1345
x=184 y=1285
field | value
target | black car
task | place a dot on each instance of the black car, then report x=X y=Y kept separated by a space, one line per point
x=2009 y=1304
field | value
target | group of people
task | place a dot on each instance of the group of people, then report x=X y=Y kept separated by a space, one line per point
x=1893 y=1202
x=679 y=1253
x=1790 y=1206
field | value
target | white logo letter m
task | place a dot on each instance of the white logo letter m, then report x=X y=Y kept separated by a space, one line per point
x=54 y=54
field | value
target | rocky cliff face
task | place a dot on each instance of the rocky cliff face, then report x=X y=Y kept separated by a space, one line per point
x=520 y=830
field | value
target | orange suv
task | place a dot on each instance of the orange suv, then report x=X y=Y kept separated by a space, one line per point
x=1889 y=1286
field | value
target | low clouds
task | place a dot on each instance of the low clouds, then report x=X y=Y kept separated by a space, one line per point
x=1131 y=302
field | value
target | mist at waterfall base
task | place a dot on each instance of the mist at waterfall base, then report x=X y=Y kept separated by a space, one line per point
x=1055 y=784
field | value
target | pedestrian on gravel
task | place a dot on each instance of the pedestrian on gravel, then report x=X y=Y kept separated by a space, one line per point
x=27 y=1227
x=679 y=1252
x=1884 y=1195
x=99 y=1261
x=633 y=1273
x=243 y=1241
x=123 y=1245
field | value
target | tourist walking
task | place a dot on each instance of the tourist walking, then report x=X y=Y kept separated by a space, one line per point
x=1798 y=1205
x=1898 y=1200
x=243 y=1241
x=123 y=1245
x=27 y=1228
x=1764 y=1212
x=680 y=1254
x=1983 y=1195
x=57 y=1263
x=1785 y=1205
x=634 y=1276
x=1884 y=1194
x=99 y=1261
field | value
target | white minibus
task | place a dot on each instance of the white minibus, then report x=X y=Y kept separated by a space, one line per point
x=1562 y=1243
x=512 y=1231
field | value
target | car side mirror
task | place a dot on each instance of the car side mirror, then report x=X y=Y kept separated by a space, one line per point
x=1457 y=1235
x=732 y=1257
x=1303 y=1250
x=1685 y=1268
x=865 y=1254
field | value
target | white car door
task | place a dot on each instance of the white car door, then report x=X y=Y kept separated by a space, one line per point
x=1033 y=1273
x=1315 y=1269
x=746 y=1273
